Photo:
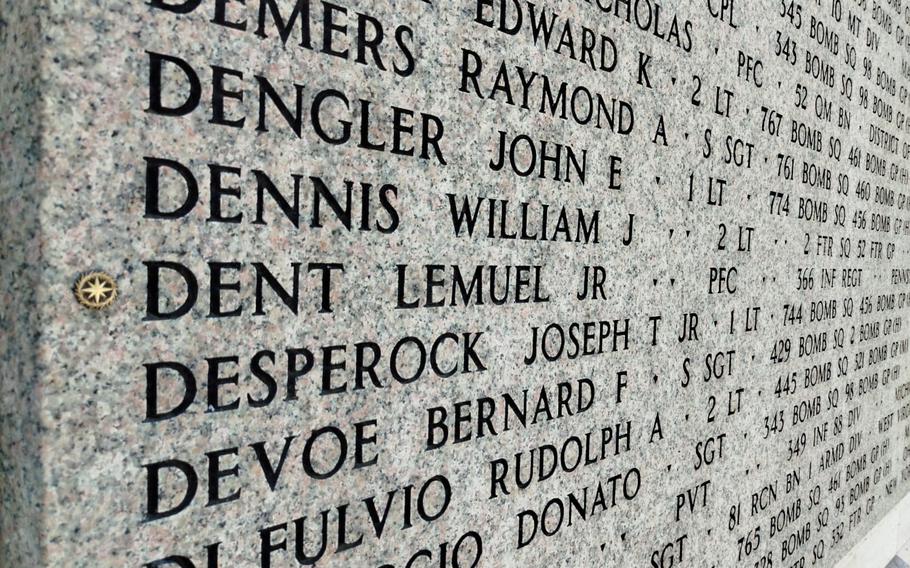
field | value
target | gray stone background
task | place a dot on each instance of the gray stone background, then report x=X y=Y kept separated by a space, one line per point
x=75 y=437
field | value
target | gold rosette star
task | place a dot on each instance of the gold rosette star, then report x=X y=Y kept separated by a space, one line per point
x=96 y=290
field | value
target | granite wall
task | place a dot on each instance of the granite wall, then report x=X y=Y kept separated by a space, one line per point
x=412 y=283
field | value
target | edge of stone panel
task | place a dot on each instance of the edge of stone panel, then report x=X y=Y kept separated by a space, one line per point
x=21 y=193
x=876 y=548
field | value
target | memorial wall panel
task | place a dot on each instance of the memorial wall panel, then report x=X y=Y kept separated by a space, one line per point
x=453 y=284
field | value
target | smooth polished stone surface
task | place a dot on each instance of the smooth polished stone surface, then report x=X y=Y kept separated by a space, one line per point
x=468 y=283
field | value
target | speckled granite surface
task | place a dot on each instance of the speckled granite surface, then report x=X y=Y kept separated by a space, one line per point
x=77 y=441
x=22 y=482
